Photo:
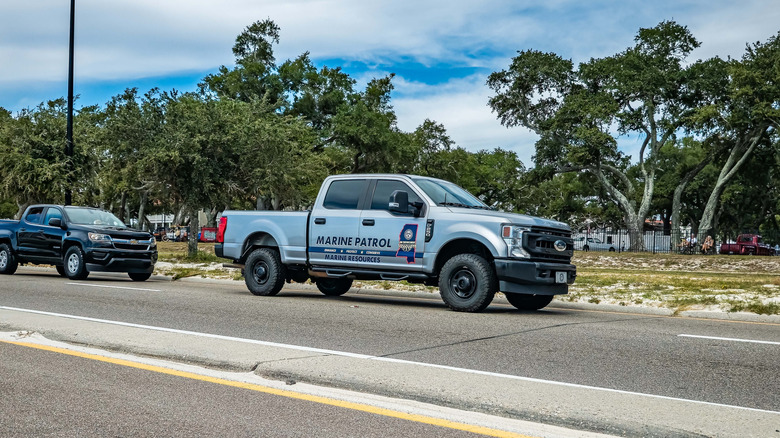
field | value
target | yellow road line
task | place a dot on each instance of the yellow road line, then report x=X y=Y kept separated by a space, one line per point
x=486 y=431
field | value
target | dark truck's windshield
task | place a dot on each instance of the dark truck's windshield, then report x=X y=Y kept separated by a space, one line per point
x=92 y=216
x=446 y=193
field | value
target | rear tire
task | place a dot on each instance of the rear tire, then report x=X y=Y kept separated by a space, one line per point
x=467 y=283
x=75 y=268
x=528 y=301
x=334 y=287
x=264 y=272
x=8 y=262
x=139 y=276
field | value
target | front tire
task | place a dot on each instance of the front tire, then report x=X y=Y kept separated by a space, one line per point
x=75 y=268
x=265 y=272
x=8 y=262
x=60 y=270
x=467 y=283
x=139 y=276
x=334 y=287
x=528 y=301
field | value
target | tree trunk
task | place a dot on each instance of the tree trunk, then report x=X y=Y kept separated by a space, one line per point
x=738 y=156
x=22 y=208
x=677 y=199
x=192 y=236
x=122 y=206
x=141 y=207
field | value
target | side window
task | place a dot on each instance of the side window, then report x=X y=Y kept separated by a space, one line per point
x=345 y=194
x=385 y=188
x=52 y=213
x=34 y=215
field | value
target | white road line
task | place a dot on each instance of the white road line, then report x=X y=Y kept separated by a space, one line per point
x=114 y=287
x=753 y=341
x=385 y=359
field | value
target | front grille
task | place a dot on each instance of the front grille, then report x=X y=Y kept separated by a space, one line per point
x=132 y=245
x=540 y=244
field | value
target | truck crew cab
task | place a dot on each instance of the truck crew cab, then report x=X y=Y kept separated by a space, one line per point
x=76 y=240
x=402 y=227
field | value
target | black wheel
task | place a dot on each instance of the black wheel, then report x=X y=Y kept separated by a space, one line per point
x=139 y=276
x=611 y=249
x=334 y=287
x=265 y=272
x=467 y=283
x=75 y=269
x=528 y=301
x=586 y=248
x=8 y=263
x=60 y=270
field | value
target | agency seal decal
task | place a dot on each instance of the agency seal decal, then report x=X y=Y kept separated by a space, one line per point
x=407 y=242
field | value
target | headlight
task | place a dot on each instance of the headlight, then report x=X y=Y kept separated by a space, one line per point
x=154 y=243
x=98 y=237
x=513 y=236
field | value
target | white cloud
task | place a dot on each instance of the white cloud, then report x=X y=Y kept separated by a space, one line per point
x=461 y=106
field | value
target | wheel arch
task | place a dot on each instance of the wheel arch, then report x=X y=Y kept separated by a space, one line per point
x=461 y=246
x=260 y=239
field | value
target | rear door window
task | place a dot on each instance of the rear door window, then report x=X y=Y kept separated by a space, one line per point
x=345 y=194
x=34 y=215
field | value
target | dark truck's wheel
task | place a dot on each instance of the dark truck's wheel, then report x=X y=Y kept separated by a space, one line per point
x=60 y=270
x=528 y=301
x=75 y=268
x=334 y=287
x=8 y=263
x=139 y=276
x=467 y=283
x=264 y=272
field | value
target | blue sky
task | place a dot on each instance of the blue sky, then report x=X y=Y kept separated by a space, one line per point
x=441 y=51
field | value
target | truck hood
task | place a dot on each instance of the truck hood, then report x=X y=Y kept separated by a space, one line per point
x=114 y=232
x=510 y=218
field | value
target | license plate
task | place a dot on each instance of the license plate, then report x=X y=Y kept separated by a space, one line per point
x=560 y=277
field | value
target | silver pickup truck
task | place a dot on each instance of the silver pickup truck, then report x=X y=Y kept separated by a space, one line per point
x=402 y=227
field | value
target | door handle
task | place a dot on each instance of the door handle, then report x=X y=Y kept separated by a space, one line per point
x=319 y=220
x=368 y=222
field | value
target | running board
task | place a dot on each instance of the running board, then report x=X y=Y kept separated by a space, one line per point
x=366 y=274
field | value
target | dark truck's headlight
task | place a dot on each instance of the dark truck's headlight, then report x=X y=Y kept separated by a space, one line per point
x=513 y=236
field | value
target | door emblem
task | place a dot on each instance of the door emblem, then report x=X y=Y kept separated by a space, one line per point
x=407 y=244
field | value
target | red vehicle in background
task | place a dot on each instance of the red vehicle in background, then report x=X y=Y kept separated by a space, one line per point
x=747 y=244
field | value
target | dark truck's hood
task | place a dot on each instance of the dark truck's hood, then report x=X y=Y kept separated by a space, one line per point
x=114 y=232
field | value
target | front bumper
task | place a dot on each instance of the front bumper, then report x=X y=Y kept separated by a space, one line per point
x=118 y=260
x=537 y=278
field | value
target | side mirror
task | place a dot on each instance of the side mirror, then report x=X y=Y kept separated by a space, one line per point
x=56 y=222
x=399 y=202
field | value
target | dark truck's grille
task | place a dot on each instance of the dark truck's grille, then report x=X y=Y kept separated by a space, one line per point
x=540 y=244
x=132 y=245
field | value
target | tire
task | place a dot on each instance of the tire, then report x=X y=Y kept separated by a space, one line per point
x=139 y=276
x=586 y=248
x=528 y=301
x=8 y=262
x=611 y=249
x=75 y=268
x=467 y=283
x=334 y=287
x=60 y=270
x=265 y=272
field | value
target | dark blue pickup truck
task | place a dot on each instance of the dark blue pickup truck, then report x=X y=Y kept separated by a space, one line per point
x=76 y=240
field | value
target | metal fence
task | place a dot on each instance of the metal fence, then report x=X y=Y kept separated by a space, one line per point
x=655 y=241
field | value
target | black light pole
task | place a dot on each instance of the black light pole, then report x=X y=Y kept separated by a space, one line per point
x=69 y=133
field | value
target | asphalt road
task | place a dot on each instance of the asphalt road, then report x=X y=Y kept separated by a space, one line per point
x=680 y=358
x=71 y=396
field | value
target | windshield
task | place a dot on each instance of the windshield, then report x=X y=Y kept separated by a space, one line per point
x=92 y=216
x=446 y=193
